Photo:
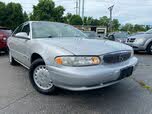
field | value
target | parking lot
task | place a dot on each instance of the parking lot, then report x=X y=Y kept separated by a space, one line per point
x=131 y=96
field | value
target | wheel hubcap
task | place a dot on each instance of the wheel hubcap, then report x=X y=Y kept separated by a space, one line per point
x=42 y=78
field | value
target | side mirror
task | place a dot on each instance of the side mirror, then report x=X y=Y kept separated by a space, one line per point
x=111 y=37
x=22 y=35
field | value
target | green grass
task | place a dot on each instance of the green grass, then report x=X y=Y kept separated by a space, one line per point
x=145 y=86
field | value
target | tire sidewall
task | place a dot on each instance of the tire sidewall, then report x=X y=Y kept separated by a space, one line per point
x=149 y=48
x=34 y=65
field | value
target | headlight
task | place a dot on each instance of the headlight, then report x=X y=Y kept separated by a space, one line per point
x=78 y=60
x=139 y=40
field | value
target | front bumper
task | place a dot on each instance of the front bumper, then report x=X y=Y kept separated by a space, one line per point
x=137 y=47
x=88 y=78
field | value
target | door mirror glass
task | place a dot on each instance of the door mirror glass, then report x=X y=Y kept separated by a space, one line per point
x=111 y=37
x=22 y=35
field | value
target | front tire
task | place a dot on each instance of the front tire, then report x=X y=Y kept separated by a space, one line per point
x=149 y=49
x=40 y=78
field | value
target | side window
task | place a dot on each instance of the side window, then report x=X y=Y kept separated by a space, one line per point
x=26 y=29
x=19 y=29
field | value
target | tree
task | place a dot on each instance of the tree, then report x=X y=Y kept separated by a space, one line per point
x=45 y=10
x=76 y=20
x=138 y=28
x=147 y=27
x=95 y=22
x=104 y=21
x=25 y=16
x=85 y=20
x=128 y=28
x=115 y=24
x=14 y=15
x=58 y=13
x=89 y=21
x=2 y=14
x=67 y=18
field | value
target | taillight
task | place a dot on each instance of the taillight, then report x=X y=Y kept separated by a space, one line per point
x=4 y=38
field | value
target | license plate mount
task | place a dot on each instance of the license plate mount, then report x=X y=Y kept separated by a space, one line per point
x=126 y=72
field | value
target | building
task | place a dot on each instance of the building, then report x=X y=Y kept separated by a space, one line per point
x=100 y=30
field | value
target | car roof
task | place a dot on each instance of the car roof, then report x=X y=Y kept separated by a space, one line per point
x=44 y=22
x=1 y=27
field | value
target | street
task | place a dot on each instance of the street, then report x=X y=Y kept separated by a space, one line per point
x=131 y=96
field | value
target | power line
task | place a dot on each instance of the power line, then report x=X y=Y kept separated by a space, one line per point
x=76 y=7
x=79 y=7
x=83 y=9
x=110 y=9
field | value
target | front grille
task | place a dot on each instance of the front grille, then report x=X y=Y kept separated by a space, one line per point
x=131 y=40
x=116 y=57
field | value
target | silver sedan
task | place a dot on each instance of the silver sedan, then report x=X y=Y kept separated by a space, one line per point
x=59 y=55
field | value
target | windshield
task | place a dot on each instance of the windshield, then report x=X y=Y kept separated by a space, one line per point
x=149 y=31
x=121 y=35
x=51 y=30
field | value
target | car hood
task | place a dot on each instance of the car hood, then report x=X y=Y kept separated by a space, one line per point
x=141 y=36
x=79 y=46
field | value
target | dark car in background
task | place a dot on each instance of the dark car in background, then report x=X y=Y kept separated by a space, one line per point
x=141 y=42
x=137 y=33
x=118 y=36
x=4 y=34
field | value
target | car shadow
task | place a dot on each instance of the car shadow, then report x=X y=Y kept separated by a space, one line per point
x=116 y=88
x=97 y=92
x=141 y=53
x=125 y=91
x=3 y=53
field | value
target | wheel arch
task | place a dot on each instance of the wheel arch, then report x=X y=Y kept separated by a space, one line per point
x=148 y=42
x=35 y=56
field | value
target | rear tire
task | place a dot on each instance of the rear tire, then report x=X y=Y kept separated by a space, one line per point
x=12 y=60
x=149 y=48
x=7 y=51
x=40 y=78
x=136 y=52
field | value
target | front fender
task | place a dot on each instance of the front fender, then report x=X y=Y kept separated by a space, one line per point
x=148 y=42
x=49 y=53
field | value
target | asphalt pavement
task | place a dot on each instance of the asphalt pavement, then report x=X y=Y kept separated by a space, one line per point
x=131 y=96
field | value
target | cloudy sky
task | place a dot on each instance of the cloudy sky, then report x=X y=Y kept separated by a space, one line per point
x=127 y=11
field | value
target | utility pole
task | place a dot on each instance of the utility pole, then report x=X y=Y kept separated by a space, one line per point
x=110 y=9
x=76 y=7
x=83 y=10
x=79 y=7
